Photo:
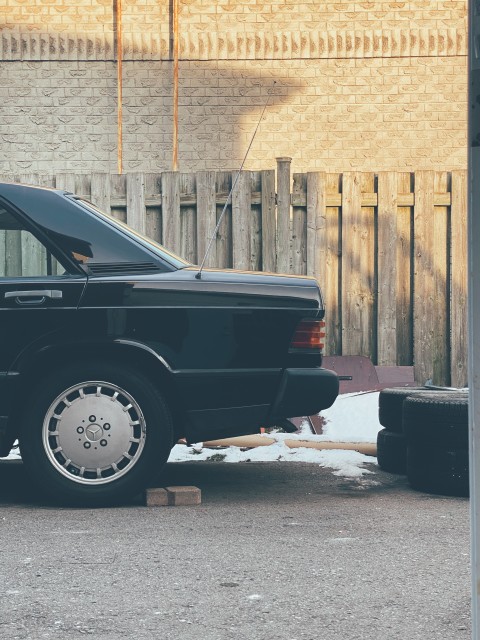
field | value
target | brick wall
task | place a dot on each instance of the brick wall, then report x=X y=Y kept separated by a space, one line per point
x=364 y=85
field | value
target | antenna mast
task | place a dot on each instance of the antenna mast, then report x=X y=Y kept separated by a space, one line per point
x=234 y=184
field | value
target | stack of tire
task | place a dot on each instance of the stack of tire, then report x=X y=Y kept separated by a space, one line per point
x=425 y=436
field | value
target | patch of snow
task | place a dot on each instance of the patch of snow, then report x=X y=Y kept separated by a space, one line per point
x=352 y=418
x=347 y=464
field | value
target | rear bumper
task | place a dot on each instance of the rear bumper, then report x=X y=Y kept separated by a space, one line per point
x=295 y=392
x=304 y=392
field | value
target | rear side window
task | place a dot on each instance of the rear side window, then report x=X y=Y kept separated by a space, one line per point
x=22 y=254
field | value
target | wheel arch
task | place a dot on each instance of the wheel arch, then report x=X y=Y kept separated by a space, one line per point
x=137 y=355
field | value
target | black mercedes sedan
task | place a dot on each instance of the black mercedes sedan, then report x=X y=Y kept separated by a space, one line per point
x=112 y=348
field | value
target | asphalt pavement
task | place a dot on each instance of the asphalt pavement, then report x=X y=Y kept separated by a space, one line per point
x=283 y=551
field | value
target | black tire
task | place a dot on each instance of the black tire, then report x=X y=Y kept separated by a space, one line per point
x=104 y=451
x=392 y=451
x=438 y=471
x=390 y=404
x=437 y=418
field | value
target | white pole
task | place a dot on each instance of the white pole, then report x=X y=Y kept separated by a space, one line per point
x=474 y=300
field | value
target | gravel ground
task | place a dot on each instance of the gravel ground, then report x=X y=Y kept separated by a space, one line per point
x=283 y=551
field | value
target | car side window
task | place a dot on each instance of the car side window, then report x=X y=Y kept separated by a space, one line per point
x=21 y=253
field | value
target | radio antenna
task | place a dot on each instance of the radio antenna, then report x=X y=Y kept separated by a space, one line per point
x=234 y=184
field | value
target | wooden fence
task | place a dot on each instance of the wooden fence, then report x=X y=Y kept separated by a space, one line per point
x=388 y=249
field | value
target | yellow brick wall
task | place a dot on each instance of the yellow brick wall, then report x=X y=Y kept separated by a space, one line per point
x=364 y=85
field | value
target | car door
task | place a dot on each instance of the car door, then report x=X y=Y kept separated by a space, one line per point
x=39 y=295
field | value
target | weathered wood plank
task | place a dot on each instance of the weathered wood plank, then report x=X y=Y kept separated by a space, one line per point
x=255 y=225
x=404 y=269
x=206 y=217
x=171 y=210
x=269 y=225
x=441 y=258
x=387 y=263
x=34 y=255
x=153 y=222
x=224 y=235
x=368 y=266
x=423 y=277
x=316 y=225
x=357 y=282
x=65 y=181
x=458 y=299
x=188 y=220
x=13 y=253
x=332 y=284
x=101 y=191
x=241 y=222
x=299 y=228
x=136 y=212
x=118 y=191
x=283 y=215
x=83 y=185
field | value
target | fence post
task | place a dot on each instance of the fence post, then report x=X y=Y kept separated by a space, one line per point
x=283 y=214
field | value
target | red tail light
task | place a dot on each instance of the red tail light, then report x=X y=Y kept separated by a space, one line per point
x=309 y=335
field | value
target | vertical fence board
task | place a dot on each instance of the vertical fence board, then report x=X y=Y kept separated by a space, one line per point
x=33 y=254
x=299 y=227
x=368 y=268
x=206 y=217
x=153 y=192
x=101 y=190
x=357 y=292
x=188 y=218
x=118 y=190
x=224 y=236
x=423 y=277
x=458 y=300
x=83 y=185
x=283 y=215
x=316 y=225
x=255 y=225
x=441 y=283
x=387 y=262
x=66 y=181
x=404 y=275
x=13 y=253
x=333 y=285
x=241 y=221
x=136 y=212
x=269 y=256
x=171 y=210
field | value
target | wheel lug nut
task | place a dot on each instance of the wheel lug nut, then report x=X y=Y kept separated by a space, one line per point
x=80 y=429
x=92 y=418
x=103 y=443
x=87 y=445
x=106 y=426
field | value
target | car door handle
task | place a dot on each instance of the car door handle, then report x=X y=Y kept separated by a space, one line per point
x=36 y=296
